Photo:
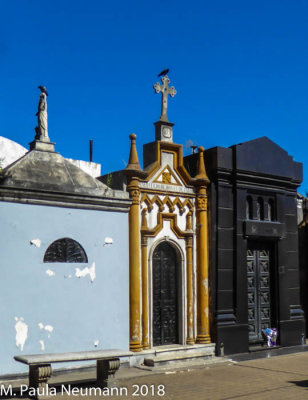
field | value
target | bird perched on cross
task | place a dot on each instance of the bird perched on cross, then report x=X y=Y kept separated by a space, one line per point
x=163 y=72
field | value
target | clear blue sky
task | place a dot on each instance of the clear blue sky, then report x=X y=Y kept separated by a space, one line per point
x=240 y=69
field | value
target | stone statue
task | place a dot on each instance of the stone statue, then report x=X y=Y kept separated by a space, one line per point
x=42 y=128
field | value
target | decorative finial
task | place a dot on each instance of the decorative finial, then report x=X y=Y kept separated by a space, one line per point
x=201 y=168
x=165 y=91
x=133 y=162
x=42 y=128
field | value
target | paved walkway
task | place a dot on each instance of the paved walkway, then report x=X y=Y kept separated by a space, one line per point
x=284 y=377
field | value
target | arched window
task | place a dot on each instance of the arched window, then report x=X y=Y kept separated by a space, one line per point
x=249 y=208
x=271 y=210
x=65 y=250
x=260 y=209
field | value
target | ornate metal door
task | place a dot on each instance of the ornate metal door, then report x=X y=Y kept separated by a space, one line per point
x=259 y=291
x=165 y=298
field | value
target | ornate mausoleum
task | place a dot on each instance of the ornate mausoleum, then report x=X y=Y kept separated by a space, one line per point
x=254 y=257
x=168 y=241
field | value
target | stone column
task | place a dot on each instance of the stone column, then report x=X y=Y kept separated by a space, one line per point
x=203 y=322
x=203 y=325
x=134 y=266
x=134 y=173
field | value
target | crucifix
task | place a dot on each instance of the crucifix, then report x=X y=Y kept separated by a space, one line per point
x=165 y=91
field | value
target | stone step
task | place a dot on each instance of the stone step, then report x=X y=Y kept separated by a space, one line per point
x=205 y=349
x=187 y=365
x=180 y=356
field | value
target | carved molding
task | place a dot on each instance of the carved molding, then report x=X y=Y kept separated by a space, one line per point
x=105 y=371
x=144 y=241
x=178 y=165
x=160 y=223
x=39 y=375
x=201 y=203
x=166 y=201
x=189 y=241
x=166 y=176
x=135 y=196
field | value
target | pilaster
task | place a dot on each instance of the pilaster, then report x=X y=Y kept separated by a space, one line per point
x=145 y=303
x=190 y=302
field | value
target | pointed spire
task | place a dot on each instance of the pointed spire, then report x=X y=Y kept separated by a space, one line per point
x=133 y=162
x=201 y=167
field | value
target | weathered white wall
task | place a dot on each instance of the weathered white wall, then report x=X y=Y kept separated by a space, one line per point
x=10 y=151
x=60 y=307
x=91 y=168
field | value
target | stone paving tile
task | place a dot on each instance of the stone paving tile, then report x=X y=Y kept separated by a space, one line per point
x=275 y=378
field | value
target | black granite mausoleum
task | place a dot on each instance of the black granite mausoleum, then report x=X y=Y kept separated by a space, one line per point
x=254 y=276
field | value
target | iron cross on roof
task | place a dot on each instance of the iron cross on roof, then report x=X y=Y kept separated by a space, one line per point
x=165 y=90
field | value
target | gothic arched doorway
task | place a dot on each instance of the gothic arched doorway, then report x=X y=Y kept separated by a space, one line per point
x=165 y=295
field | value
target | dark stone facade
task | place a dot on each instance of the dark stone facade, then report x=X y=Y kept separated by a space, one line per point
x=303 y=251
x=253 y=244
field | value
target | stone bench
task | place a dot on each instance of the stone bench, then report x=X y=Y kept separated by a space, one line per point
x=107 y=363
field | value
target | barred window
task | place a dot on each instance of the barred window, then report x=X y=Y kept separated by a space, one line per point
x=65 y=250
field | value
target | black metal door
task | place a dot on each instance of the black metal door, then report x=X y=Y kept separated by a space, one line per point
x=259 y=291
x=165 y=298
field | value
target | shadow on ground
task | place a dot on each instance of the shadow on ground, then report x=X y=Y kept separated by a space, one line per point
x=303 y=384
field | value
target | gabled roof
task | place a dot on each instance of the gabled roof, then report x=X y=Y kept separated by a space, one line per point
x=152 y=160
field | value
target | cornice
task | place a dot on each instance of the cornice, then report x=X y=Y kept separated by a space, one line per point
x=67 y=200
x=161 y=217
x=248 y=178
